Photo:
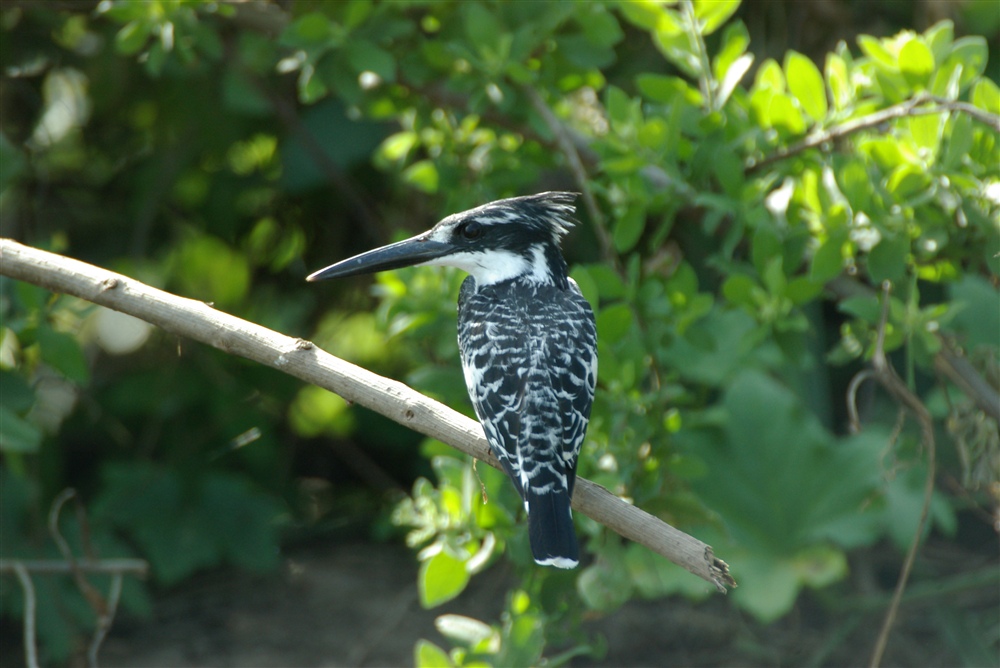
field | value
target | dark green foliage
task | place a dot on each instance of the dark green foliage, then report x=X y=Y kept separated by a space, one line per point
x=748 y=212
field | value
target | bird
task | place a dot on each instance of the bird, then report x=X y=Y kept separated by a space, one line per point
x=528 y=344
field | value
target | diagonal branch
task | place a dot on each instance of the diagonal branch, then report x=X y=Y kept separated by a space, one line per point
x=919 y=105
x=300 y=358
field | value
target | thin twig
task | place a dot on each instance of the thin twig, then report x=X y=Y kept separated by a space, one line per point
x=30 y=650
x=576 y=167
x=888 y=379
x=105 y=620
x=948 y=360
x=912 y=107
x=94 y=598
x=853 y=418
x=297 y=357
x=137 y=567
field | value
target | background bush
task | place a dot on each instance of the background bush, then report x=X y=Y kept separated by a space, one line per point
x=223 y=151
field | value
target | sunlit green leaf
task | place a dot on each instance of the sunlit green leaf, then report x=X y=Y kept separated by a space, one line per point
x=916 y=62
x=806 y=83
x=441 y=578
x=428 y=655
x=714 y=13
x=782 y=113
x=423 y=175
x=972 y=52
x=986 y=96
x=839 y=81
x=875 y=49
x=464 y=630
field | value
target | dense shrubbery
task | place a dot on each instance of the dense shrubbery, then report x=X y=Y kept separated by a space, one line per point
x=741 y=216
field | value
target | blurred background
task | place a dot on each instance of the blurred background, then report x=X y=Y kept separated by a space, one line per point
x=224 y=150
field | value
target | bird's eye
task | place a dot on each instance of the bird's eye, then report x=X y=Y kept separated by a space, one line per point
x=471 y=230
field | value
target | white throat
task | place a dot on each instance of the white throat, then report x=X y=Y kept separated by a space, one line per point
x=497 y=266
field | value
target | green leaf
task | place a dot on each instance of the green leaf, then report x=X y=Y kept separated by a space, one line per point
x=628 y=229
x=614 y=322
x=15 y=392
x=979 y=320
x=939 y=38
x=133 y=37
x=603 y=586
x=916 y=62
x=828 y=260
x=973 y=53
x=307 y=31
x=713 y=13
x=768 y=587
x=17 y=435
x=463 y=630
x=645 y=14
x=422 y=175
x=740 y=290
x=660 y=87
x=782 y=113
x=986 y=96
x=863 y=307
x=880 y=55
x=365 y=56
x=63 y=353
x=806 y=83
x=586 y=283
x=481 y=26
x=609 y=283
x=428 y=655
x=619 y=106
x=802 y=290
x=887 y=260
x=441 y=578
x=779 y=479
x=907 y=180
x=839 y=81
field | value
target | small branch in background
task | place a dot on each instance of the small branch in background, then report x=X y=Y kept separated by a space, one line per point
x=104 y=609
x=915 y=106
x=950 y=362
x=576 y=167
x=94 y=598
x=301 y=359
x=886 y=376
x=30 y=648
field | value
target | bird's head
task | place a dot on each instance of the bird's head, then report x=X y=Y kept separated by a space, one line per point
x=510 y=238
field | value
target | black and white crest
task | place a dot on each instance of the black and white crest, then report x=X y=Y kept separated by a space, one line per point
x=528 y=345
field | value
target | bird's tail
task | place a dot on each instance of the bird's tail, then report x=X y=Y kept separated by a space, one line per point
x=550 y=529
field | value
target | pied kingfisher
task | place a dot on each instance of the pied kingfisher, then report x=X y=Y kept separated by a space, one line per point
x=528 y=343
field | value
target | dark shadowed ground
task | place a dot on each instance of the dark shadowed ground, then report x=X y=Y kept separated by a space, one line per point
x=356 y=605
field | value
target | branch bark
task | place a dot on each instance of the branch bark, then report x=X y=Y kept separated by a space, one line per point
x=302 y=359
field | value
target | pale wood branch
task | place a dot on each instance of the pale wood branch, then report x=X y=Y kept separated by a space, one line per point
x=300 y=358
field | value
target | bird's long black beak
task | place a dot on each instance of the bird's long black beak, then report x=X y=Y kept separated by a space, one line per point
x=406 y=253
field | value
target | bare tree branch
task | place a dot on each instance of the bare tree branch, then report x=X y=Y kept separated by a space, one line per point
x=300 y=358
x=138 y=567
x=918 y=105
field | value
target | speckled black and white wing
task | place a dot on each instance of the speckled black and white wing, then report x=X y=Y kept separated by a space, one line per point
x=529 y=354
